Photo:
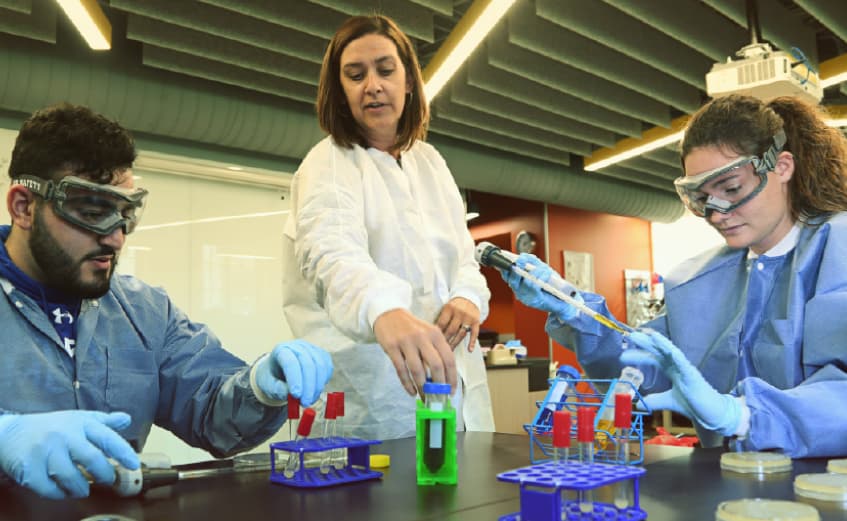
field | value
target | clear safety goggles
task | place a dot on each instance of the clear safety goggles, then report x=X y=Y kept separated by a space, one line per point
x=99 y=208
x=727 y=187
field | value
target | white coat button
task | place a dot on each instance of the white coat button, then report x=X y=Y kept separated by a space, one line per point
x=76 y=384
x=19 y=304
x=760 y=266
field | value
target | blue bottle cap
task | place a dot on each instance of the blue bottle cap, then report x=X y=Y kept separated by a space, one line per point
x=434 y=388
x=567 y=371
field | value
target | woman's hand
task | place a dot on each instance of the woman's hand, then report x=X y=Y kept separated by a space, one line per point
x=458 y=318
x=413 y=347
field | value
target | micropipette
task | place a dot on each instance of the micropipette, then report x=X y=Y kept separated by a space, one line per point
x=488 y=254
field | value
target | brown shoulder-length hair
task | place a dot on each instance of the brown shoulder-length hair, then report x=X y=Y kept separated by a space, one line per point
x=333 y=112
x=747 y=125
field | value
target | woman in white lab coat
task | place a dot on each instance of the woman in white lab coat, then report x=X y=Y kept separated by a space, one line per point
x=379 y=264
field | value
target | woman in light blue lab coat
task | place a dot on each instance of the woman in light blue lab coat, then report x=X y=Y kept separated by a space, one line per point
x=379 y=262
x=753 y=340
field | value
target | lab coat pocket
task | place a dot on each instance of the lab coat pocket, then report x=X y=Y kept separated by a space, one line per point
x=132 y=381
x=776 y=354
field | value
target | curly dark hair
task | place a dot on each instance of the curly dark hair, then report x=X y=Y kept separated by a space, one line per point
x=64 y=138
x=747 y=125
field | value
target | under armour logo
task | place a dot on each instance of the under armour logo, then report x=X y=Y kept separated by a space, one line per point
x=59 y=315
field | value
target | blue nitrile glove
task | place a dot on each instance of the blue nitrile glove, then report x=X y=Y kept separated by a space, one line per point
x=43 y=451
x=295 y=367
x=690 y=394
x=531 y=294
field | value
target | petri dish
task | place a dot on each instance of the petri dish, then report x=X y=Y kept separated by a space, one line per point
x=770 y=509
x=824 y=487
x=755 y=462
x=838 y=466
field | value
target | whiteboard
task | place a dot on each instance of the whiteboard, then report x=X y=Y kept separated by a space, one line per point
x=216 y=248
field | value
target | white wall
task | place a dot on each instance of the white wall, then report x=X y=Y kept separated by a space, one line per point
x=681 y=240
x=215 y=247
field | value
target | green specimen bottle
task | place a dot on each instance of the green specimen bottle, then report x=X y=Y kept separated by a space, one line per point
x=436 y=437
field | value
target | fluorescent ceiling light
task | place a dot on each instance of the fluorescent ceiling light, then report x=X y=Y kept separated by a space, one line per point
x=659 y=137
x=90 y=21
x=477 y=21
x=833 y=71
x=652 y=139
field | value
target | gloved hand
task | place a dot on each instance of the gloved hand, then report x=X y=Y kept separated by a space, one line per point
x=43 y=451
x=295 y=367
x=690 y=394
x=531 y=294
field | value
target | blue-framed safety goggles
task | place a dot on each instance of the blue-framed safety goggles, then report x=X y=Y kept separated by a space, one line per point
x=727 y=187
x=100 y=208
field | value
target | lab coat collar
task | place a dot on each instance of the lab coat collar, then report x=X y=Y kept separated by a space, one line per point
x=782 y=247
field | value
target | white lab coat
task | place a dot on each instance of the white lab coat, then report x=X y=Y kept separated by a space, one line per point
x=366 y=236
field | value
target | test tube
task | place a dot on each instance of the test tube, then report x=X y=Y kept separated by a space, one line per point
x=329 y=425
x=585 y=437
x=303 y=431
x=435 y=398
x=293 y=414
x=561 y=436
x=339 y=456
x=623 y=425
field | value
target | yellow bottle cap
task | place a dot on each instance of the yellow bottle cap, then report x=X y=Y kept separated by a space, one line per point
x=765 y=509
x=380 y=461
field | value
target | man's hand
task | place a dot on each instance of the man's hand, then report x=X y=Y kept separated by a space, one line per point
x=45 y=451
x=296 y=367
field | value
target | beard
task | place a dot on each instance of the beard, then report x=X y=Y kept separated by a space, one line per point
x=60 y=270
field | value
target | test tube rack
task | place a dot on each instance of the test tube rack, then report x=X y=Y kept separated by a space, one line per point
x=542 y=489
x=356 y=468
x=584 y=392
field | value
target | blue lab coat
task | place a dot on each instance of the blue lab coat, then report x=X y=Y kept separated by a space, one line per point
x=797 y=356
x=137 y=353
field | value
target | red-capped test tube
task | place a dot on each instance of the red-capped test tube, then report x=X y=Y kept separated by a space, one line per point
x=303 y=431
x=329 y=426
x=293 y=415
x=623 y=426
x=585 y=437
x=339 y=455
x=561 y=436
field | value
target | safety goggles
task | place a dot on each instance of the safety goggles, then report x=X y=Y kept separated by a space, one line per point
x=728 y=187
x=99 y=208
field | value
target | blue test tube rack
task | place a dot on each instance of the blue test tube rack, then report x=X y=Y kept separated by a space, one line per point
x=584 y=392
x=542 y=486
x=356 y=468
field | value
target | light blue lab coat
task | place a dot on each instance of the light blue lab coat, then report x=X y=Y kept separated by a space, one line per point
x=137 y=353
x=799 y=354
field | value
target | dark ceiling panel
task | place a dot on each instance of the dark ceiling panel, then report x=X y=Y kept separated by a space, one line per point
x=557 y=43
x=568 y=80
x=629 y=36
x=210 y=47
x=36 y=23
x=21 y=6
x=481 y=75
